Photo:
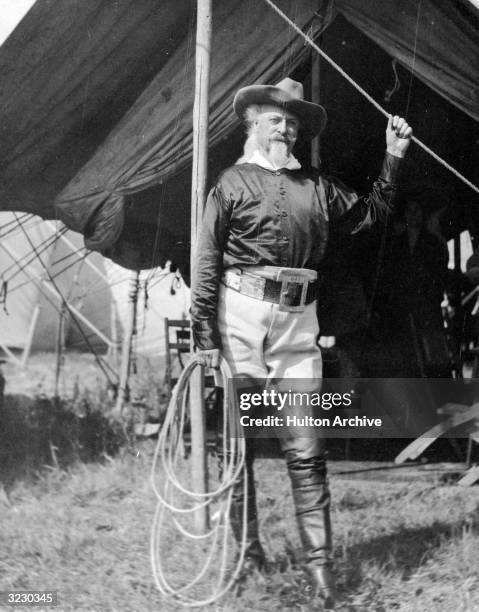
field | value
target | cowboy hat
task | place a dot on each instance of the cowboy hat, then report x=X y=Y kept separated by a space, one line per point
x=288 y=95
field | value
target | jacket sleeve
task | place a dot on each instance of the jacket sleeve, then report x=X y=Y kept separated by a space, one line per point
x=353 y=213
x=207 y=270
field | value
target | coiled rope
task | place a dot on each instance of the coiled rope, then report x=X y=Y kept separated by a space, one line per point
x=367 y=96
x=172 y=513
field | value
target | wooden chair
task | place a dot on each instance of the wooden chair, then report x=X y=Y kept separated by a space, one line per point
x=177 y=341
x=177 y=344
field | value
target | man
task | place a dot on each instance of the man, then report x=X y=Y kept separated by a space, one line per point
x=414 y=281
x=266 y=221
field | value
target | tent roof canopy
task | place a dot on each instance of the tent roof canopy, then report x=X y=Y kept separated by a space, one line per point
x=69 y=72
x=97 y=96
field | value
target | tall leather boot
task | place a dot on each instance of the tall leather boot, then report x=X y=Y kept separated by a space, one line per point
x=312 y=503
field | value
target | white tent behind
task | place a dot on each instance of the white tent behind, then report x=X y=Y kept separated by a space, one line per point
x=163 y=294
x=39 y=260
x=36 y=260
x=41 y=265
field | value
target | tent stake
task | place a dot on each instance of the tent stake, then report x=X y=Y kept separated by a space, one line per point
x=198 y=198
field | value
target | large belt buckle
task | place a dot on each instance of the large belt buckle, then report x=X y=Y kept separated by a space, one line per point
x=288 y=276
x=232 y=280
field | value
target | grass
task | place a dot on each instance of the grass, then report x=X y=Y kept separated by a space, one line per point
x=84 y=532
x=37 y=429
x=78 y=521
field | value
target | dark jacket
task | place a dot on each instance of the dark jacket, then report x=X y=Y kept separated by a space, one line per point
x=256 y=216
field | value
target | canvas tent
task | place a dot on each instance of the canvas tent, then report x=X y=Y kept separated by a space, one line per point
x=41 y=263
x=97 y=100
x=163 y=294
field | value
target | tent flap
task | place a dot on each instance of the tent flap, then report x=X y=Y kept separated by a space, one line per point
x=436 y=40
x=69 y=72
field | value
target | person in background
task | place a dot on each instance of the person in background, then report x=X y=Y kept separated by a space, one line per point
x=414 y=282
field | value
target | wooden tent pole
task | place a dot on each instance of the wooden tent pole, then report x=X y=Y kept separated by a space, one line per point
x=127 y=344
x=198 y=200
x=113 y=348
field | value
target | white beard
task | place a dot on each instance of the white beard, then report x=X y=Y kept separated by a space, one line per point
x=278 y=153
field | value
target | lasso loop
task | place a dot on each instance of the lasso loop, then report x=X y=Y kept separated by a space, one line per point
x=165 y=468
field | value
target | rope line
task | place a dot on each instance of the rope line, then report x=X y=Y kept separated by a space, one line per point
x=57 y=272
x=35 y=281
x=169 y=488
x=37 y=251
x=370 y=99
x=30 y=256
x=101 y=364
x=5 y=227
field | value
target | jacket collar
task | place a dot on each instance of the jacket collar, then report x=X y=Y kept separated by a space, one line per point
x=260 y=160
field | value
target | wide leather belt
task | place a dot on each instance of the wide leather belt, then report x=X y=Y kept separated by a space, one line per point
x=293 y=288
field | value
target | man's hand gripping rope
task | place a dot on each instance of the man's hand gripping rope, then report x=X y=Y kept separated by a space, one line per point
x=209 y=358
